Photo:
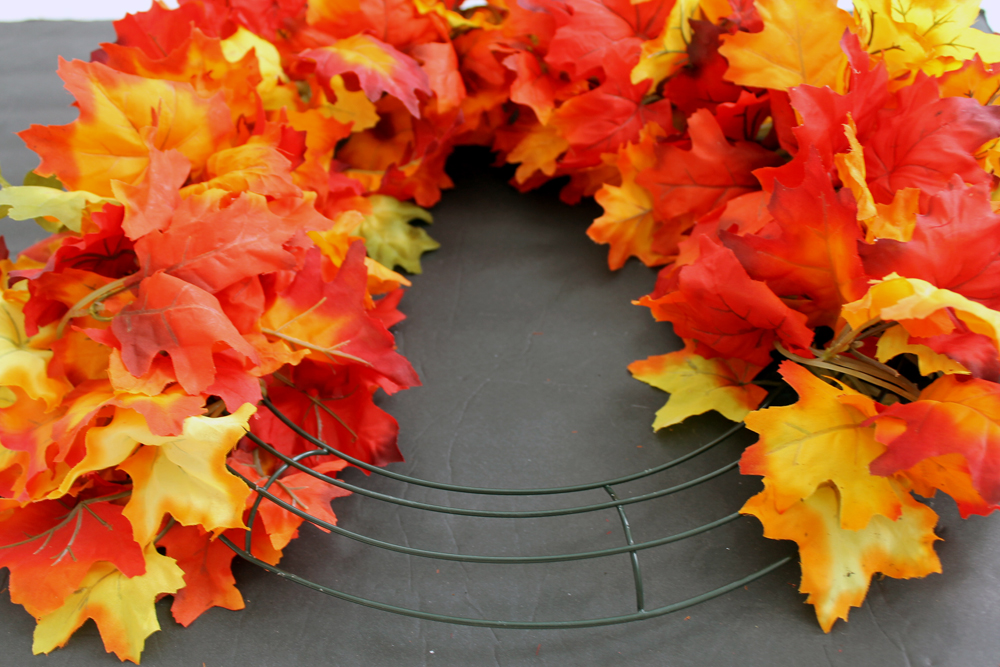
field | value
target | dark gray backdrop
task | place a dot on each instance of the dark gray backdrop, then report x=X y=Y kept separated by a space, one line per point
x=521 y=336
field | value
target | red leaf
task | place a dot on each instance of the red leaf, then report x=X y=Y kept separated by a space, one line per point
x=960 y=220
x=717 y=304
x=602 y=120
x=49 y=548
x=708 y=175
x=208 y=577
x=181 y=320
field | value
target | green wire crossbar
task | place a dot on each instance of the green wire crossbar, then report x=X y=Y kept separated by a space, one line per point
x=631 y=547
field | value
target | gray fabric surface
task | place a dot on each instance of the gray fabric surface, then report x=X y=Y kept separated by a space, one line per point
x=521 y=337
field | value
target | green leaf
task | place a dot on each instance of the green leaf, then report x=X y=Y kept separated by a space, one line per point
x=390 y=238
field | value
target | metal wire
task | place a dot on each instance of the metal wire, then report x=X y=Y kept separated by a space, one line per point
x=608 y=486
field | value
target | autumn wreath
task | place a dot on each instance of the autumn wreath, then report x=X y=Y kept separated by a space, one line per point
x=228 y=209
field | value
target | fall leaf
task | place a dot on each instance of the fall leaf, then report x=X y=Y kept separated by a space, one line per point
x=110 y=141
x=122 y=606
x=593 y=28
x=29 y=202
x=379 y=67
x=184 y=476
x=668 y=52
x=717 y=304
x=954 y=415
x=697 y=385
x=389 y=237
x=49 y=546
x=185 y=322
x=823 y=437
x=691 y=182
x=208 y=577
x=605 y=118
x=837 y=563
x=958 y=217
x=329 y=320
x=809 y=255
x=800 y=44
x=24 y=359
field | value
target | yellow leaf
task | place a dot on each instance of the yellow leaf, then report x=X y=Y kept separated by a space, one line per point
x=932 y=36
x=350 y=107
x=123 y=608
x=537 y=151
x=800 y=44
x=26 y=202
x=922 y=309
x=390 y=238
x=239 y=44
x=24 y=359
x=697 y=385
x=838 y=564
x=821 y=438
x=852 y=171
x=663 y=56
x=183 y=475
x=896 y=341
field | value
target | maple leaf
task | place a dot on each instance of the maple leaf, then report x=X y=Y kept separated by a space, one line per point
x=301 y=490
x=29 y=202
x=396 y=22
x=150 y=203
x=697 y=385
x=668 y=52
x=122 y=606
x=927 y=140
x=717 y=304
x=594 y=28
x=389 y=237
x=212 y=245
x=336 y=407
x=380 y=68
x=201 y=62
x=242 y=42
x=184 y=476
x=538 y=151
x=893 y=221
x=440 y=63
x=958 y=217
x=838 y=564
x=208 y=577
x=945 y=321
x=808 y=256
x=799 y=45
x=185 y=322
x=605 y=118
x=949 y=473
x=49 y=546
x=708 y=175
x=823 y=437
x=24 y=359
x=329 y=319
x=119 y=115
x=954 y=415
x=253 y=167
x=897 y=341
x=629 y=224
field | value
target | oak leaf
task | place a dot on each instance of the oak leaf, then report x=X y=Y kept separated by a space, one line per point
x=122 y=606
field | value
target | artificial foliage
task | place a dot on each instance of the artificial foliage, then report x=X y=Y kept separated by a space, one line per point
x=229 y=208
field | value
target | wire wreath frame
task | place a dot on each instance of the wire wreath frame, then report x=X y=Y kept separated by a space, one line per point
x=608 y=486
